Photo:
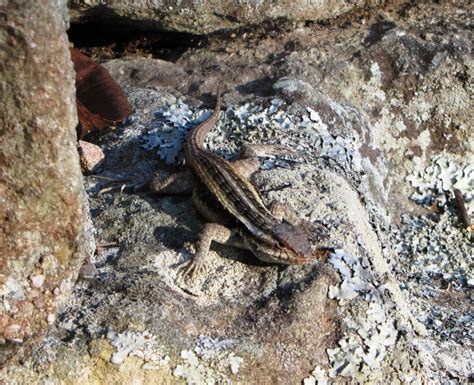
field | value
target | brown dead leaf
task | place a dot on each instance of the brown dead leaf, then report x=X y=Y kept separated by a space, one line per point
x=100 y=100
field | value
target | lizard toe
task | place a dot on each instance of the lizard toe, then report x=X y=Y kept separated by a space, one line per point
x=189 y=270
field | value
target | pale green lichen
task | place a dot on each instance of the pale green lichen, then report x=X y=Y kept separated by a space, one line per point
x=318 y=377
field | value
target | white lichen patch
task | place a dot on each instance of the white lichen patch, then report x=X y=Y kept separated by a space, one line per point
x=370 y=333
x=373 y=88
x=436 y=261
x=126 y=343
x=235 y=362
x=354 y=278
x=152 y=355
x=334 y=147
x=318 y=377
x=210 y=362
x=435 y=247
x=441 y=177
x=251 y=122
x=169 y=128
x=434 y=257
x=12 y=288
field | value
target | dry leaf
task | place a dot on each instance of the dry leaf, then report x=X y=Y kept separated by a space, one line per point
x=100 y=100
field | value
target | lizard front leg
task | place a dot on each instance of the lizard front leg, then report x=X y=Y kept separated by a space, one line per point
x=249 y=162
x=282 y=212
x=210 y=232
x=177 y=183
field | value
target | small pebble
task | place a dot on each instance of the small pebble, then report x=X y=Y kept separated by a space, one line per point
x=37 y=280
x=90 y=156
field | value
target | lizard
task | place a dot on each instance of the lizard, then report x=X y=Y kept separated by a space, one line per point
x=236 y=213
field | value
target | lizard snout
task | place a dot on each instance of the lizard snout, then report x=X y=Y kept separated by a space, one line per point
x=294 y=239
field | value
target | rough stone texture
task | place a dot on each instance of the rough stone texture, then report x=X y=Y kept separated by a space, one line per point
x=90 y=155
x=407 y=71
x=319 y=89
x=41 y=208
x=242 y=321
x=209 y=16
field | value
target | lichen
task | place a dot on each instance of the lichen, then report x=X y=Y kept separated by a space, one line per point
x=318 y=377
x=172 y=122
x=126 y=343
x=370 y=329
x=439 y=179
x=210 y=362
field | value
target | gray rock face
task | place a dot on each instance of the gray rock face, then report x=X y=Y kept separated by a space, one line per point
x=242 y=321
x=204 y=17
x=338 y=94
x=407 y=73
x=41 y=208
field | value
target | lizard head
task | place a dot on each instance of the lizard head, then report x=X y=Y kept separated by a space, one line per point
x=286 y=245
x=292 y=242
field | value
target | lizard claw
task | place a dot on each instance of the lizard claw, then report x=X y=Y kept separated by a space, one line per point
x=322 y=253
x=316 y=231
x=190 y=269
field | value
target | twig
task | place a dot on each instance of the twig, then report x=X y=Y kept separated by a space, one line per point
x=463 y=215
x=102 y=246
x=122 y=188
x=107 y=178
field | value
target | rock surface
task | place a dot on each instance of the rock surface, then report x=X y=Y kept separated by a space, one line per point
x=391 y=305
x=407 y=72
x=41 y=206
x=242 y=321
x=205 y=17
x=90 y=156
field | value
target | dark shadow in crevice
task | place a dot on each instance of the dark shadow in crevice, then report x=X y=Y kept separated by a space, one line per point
x=120 y=39
x=261 y=87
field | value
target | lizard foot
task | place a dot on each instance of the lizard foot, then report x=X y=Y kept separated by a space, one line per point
x=322 y=253
x=316 y=231
x=190 y=270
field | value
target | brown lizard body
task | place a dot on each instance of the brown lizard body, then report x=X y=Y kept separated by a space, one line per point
x=224 y=195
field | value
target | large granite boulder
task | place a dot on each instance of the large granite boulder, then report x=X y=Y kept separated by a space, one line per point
x=241 y=321
x=41 y=205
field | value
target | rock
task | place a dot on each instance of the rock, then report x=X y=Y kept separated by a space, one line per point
x=202 y=17
x=336 y=92
x=406 y=76
x=41 y=219
x=294 y=89
x=146 y=73
x=90 y=155
x=242 y=321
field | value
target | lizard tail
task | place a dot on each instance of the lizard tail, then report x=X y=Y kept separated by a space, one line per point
x=200 y=132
